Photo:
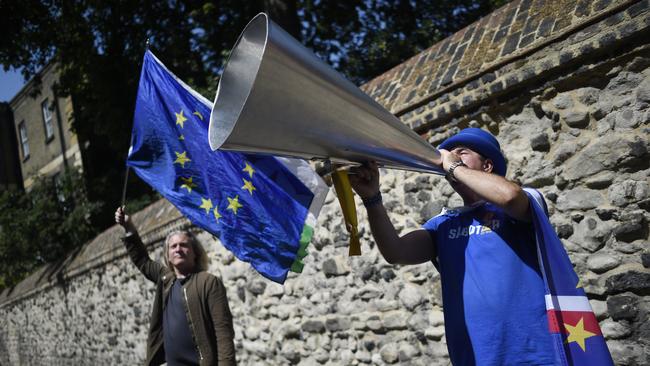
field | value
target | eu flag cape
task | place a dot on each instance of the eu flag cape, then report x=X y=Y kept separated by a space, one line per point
x=262 y=208
x=573 y=325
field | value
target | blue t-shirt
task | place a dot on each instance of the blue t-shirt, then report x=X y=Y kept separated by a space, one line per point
x=492 y=289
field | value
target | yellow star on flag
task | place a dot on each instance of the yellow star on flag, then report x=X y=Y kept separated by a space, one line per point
x=198 y=114
x=578 y=333
x=249 y=169
x=248 y=185
x=181 y=158
x=233 y=204
x=217 y=215
x=579 y=284
x=181 y=137
x=206 y=205
x=188 y=184
x=180 y=118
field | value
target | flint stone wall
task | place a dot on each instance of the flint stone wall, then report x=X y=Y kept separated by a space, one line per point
x=577 y=129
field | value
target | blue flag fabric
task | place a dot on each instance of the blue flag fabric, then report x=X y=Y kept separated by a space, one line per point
x=577 y=336
x=258 y=207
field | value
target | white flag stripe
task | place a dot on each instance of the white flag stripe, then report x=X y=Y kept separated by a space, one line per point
x=304 y=172
x=567 y=303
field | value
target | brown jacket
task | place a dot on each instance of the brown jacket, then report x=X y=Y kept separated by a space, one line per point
x=206 y=306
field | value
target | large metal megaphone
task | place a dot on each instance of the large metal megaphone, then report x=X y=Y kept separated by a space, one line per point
x=276 y=97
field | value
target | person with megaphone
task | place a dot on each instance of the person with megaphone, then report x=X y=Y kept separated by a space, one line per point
x=485 y=251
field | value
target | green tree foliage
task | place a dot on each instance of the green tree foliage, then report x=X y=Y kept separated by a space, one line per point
x=43 y=225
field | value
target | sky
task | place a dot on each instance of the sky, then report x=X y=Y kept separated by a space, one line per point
x=10 y=83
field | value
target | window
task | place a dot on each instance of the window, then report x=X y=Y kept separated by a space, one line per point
x=47 y=121
x=24 y=144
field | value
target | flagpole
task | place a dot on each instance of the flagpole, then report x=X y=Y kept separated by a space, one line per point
x=126 y=179
x=126 y=174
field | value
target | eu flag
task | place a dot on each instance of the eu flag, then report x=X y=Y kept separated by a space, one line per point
x=262 y=209
x=572 y=323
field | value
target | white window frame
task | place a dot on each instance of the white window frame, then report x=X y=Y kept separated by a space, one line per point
x=24 y=139
x=47 y=121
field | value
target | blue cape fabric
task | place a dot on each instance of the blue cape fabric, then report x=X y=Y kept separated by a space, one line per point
x=482 y=142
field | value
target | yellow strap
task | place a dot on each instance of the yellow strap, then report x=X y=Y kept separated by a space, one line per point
x=346 y=199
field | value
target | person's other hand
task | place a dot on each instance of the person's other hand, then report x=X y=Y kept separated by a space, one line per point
x=364 y=179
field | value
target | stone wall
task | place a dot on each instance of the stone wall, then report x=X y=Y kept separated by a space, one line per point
x=575 y=128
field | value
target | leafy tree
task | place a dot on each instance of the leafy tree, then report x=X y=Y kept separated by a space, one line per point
x=43 y=224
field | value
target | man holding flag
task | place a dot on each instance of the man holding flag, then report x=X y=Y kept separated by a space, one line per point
x=262 y=209
x=190 y=323
x=510 y=294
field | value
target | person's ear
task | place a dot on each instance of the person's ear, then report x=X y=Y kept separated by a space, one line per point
x=488 y=165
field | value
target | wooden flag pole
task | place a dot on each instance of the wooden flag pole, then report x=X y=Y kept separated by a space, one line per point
x=126 y=174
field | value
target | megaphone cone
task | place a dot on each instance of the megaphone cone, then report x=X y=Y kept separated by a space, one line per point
x=276 y=97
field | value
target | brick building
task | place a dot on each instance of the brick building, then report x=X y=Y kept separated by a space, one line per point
x=42 y=123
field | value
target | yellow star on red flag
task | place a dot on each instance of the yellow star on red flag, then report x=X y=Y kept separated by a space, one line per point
x=578 y=334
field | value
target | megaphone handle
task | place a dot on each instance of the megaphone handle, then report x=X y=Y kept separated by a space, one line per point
x=346 y=200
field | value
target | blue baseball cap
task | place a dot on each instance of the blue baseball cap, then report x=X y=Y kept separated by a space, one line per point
x=480 y=141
